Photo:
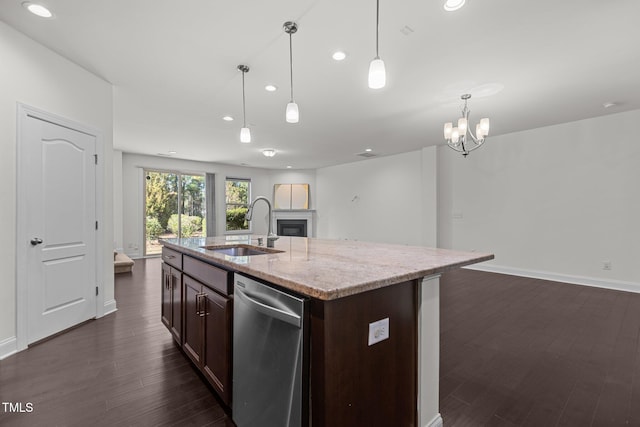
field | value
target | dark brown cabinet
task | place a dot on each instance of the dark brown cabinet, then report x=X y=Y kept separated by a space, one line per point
x=216 y=361
x=172 y=300
x=207 y=323
x=193 y=324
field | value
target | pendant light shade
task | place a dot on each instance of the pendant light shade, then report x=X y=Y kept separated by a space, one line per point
x=377 y=72
x=245 y=133
x=292 y=115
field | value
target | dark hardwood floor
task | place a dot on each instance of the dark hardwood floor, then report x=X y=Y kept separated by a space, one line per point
x=120 y=370
x=525 y=352
x=515 y=352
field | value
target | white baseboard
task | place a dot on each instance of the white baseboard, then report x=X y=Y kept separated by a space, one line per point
x=110 y=307
x=617 y=285
x=8 y=347
x=435 y=422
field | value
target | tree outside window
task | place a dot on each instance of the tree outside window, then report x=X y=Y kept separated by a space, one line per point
x=174 y=207
x=237 y=194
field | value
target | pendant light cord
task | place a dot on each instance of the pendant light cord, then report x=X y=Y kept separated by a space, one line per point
x=377 y=25
x=244 y=110
x=291 y=63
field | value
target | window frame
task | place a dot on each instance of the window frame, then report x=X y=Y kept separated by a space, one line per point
x=249 y=228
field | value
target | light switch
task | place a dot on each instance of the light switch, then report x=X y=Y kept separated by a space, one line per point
x=378 y=331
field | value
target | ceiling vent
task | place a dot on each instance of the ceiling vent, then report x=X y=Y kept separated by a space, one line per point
x=366 y=154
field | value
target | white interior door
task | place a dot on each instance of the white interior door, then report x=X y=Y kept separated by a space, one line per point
x=60 y=173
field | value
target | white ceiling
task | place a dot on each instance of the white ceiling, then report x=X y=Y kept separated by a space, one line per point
x=173 y=67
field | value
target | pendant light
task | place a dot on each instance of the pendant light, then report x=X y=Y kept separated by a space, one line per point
x=245 y=133
x=377 y=73
x=292 y=114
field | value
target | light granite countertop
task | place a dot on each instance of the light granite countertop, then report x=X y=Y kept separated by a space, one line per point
x=330 y=269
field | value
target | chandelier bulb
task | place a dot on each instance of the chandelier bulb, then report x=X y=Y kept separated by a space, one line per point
x=479 y=134
x=455 y=135
x=462 y=125
x=448 y=127
x=484 y=125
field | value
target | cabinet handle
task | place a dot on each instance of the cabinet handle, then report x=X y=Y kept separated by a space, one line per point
x=169 y=256
x=203 y=307
x=197 y=304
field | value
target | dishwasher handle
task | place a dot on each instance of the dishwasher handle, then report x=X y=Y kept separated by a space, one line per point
x=268 y=310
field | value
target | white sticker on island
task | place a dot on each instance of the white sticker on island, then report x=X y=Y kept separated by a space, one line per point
x=378 y=331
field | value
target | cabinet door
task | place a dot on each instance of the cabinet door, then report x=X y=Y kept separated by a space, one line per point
x=192 y=328
x=176 y=304
x=217 y=351
x=166 y=296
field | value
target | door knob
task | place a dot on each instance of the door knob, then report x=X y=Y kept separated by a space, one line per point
x=36 y=241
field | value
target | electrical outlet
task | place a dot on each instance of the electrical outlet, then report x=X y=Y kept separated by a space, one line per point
x=606 y=265
x=378 y=331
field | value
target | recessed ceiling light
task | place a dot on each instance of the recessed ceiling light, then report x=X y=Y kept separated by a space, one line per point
x=38 y=9
x=289 y=166
x=271 y=88
x=227 y=118
x=452 y=5
x=368 y=150
x=269 y=152
x=339 y=55
x=173 y=152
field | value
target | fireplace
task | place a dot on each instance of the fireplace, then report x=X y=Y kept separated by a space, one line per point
x=292 y=227
x=293 y=222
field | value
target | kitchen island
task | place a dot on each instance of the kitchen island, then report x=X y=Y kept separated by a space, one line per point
x=351 y=285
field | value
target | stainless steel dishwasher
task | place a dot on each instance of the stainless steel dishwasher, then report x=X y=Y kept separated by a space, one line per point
x=270 y=356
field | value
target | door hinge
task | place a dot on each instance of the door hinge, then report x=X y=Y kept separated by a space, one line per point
x=96 y=291
x=95 y=158
x=96 y=225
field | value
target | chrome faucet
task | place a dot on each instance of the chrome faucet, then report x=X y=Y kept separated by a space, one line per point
x=271 y=237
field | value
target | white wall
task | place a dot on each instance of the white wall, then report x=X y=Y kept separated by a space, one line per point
x=133 y=195
x=300 y=176
x=38 y=77
x=557 y=200
x=387 y=199
x=118 y=234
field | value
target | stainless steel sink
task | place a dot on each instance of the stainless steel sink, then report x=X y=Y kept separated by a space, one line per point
x=241 y=250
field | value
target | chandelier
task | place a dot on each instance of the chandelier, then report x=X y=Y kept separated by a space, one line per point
x=460 y=138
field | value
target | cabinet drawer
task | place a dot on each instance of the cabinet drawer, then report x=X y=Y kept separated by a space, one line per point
x=172 y=257
x=214 y=277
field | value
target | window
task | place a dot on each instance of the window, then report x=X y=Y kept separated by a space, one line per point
x=174 y=207
x=237 y=196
